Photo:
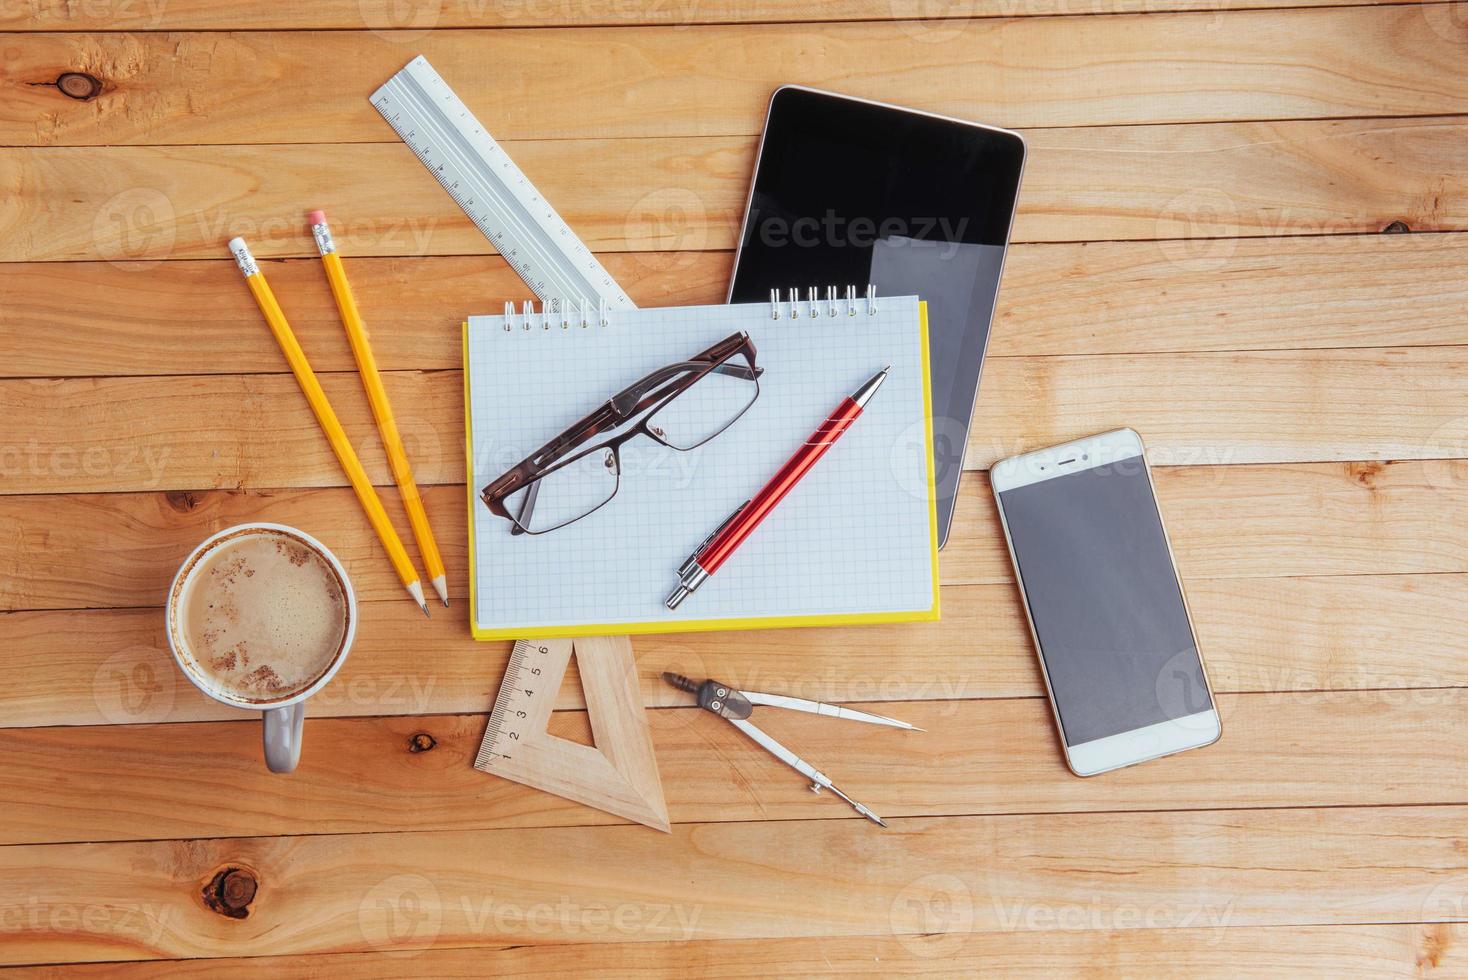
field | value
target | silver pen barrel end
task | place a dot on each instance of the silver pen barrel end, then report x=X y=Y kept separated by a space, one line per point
x=690 y=577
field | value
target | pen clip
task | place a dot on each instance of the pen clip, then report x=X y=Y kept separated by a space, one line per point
x=698 y=552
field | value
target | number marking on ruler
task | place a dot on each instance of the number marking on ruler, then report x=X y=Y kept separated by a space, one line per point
x=501 y=201
x=519 y=689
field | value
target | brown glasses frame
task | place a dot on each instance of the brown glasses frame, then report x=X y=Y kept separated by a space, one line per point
x=647 y=396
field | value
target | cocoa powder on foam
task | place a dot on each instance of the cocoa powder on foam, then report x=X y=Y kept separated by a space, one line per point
x=264 y=618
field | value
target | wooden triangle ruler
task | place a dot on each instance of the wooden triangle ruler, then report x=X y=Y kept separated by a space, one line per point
x=618 y=775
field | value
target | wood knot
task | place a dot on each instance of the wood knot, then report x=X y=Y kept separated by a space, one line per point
x=231 y=891
x=183 y=501
x=1437 y=939
x=79 y=85
x=1396 y=228
x=422 y=742
x=1366 y=472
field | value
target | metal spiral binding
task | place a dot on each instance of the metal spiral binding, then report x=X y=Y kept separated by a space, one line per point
x=559 y=310
x=553 y=311
x=796 y=308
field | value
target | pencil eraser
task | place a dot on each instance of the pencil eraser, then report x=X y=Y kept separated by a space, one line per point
x=238 y=245
x=316 y=218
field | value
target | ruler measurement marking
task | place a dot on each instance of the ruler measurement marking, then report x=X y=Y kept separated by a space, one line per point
x=497 y=197
x=512 y=692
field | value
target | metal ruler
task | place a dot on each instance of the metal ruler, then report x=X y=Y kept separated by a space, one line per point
x=501 y=201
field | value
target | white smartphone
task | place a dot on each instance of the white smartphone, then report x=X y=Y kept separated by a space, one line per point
x=1106 y=608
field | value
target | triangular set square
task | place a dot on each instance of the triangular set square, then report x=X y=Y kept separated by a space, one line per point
x=618 y=774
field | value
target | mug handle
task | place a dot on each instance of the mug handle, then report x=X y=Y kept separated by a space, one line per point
x=282 y=735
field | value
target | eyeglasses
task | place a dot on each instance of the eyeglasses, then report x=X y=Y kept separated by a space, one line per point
x=683 y=406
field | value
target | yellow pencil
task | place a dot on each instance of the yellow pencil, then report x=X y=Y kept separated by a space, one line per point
x=397 y=456
x=335 y=434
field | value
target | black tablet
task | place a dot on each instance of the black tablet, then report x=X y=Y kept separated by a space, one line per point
x=851 y=192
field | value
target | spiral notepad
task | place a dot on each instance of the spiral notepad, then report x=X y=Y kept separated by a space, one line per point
x=854 y=542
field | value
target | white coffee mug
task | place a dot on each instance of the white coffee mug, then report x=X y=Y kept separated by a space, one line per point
x=283 y=717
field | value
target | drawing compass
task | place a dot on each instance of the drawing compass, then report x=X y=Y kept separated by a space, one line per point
x=735 y=707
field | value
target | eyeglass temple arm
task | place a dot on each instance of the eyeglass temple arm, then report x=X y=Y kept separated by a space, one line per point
x=527 y=508
x=630 y=400
x=545 y=456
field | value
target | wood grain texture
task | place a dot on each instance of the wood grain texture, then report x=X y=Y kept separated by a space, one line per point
x=92 y=550
x=1390 y=952
x=184 y=433
x=1345 y=748
x=937 y=20
x=413 y=307
x=112 y=666
x=1231 y=408
x=1204 y=184
x=186 y=88
x=1333 y=633
x=327 y=893
x=1062 y=298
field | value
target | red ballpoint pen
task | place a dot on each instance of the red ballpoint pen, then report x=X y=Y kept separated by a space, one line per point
x=727 y=537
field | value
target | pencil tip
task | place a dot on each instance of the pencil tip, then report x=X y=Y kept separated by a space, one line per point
x=424 y=607
x=445 y=602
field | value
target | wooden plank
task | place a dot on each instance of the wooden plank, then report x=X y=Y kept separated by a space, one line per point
x=112 y=666
x=1063 y=298
x=181 y=432
x=939 y=20
x=1390 y=952
x=1188 y=294
x=184 y=432
x=1204 y=183
x=1230 y=408
x=413 y=307
x=327 y=893
x=362 y=775
x=266 y=87
x=106 y=550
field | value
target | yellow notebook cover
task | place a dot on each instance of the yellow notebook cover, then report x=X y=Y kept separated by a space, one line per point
x=855 y=542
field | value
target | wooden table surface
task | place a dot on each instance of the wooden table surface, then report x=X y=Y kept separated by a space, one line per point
x=1239 y=233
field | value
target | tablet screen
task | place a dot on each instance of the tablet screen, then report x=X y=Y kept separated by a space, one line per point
x=851 y=192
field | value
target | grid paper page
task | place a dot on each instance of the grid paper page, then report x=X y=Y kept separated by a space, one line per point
x=853 y=537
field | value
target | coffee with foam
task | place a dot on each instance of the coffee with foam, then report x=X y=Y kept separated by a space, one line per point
x=264 y=617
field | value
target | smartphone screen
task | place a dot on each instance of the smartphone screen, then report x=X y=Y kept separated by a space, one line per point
x=1105 y=602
